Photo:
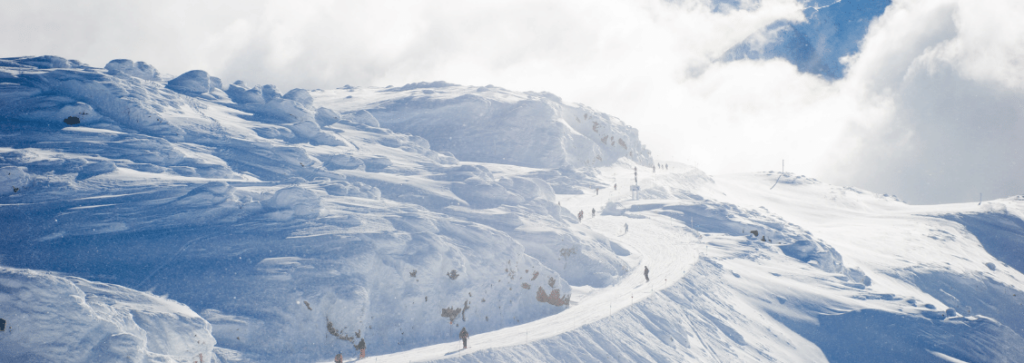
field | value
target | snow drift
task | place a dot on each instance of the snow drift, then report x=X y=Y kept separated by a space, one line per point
x=298 y=223
x=293 y=228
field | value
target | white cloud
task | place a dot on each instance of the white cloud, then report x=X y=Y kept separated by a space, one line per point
x=952 y=72
x=931 y=99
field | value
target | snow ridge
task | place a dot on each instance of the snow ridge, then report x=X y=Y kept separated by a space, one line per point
x=299 y=223
x=274 y=216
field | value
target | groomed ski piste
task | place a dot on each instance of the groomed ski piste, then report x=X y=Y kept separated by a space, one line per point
x=666 y=248
x=723 y=296
x=158 y=218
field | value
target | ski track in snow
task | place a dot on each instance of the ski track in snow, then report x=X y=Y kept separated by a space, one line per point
x=275 y=216
x=666 y=247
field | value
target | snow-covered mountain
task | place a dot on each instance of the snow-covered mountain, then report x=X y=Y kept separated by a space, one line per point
x=832 y=29
x=275 y=226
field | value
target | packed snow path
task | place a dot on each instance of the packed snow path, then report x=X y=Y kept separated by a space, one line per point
x=666 y=247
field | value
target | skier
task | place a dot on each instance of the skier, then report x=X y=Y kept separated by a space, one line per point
x=593 y=212
x=645 y=274
x=338 y=358
x=465 y=337
x=580 y=216
x=615 y=186
x=362 y=348
x=626 y=225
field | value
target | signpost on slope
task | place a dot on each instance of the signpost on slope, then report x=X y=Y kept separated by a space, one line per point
x=635 y=188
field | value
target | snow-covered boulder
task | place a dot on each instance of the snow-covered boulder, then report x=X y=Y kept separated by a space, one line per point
x=127 y=67
x=302 y=96
x=306 y=129
x=96 y=167
x=481 y=193
x=191 y=83
x=215 y=83
x=270 y=92
x=46 y=62
x=377 y=162
x=325 y=116
x=329 y=139
x=241 y=95
x=285 y=110
x=69 y=319
x=343 y=161
x=362 y=117
x=294 y=201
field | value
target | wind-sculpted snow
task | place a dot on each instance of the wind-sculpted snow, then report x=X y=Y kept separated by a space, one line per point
x=68 y=319
x=490 y=124
x=299 y=223
x=1001 y=233
x=296 y=230
x=140 y=70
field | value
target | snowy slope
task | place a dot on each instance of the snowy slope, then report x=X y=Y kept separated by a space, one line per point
x=492 y=124
x=843 y=275
x=273 y=217
x=297 y=223
x=67 y=319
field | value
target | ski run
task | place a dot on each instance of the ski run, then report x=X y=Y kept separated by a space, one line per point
x=180 y=218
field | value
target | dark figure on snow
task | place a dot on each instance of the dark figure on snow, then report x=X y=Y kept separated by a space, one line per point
x=362 y=348
x=626 y=225
x=464 y=335
x=645 y=274
x=593 y=212
x=580 y=216
x=615 y=186
x=338 y=358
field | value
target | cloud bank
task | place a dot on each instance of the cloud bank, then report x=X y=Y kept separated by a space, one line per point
x=929 y=108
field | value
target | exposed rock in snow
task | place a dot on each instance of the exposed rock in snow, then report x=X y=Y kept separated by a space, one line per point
x=304 y=222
